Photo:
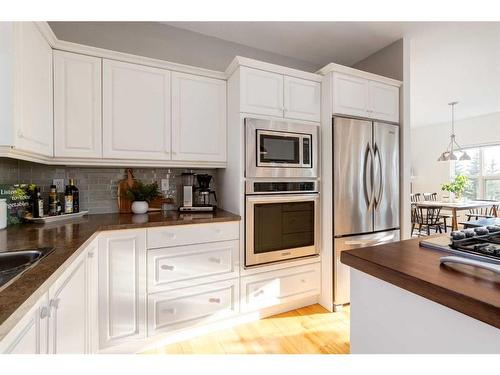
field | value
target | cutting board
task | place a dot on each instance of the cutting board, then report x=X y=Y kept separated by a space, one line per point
x=124 y=203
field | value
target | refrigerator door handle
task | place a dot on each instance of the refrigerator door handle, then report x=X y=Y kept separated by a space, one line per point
x=379 y=196
x=369 y=195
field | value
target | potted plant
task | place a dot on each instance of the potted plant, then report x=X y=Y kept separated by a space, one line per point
x=141 y=194
x=457 y=187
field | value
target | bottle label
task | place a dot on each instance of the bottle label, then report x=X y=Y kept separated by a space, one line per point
x=68 y=204
x=40 y=208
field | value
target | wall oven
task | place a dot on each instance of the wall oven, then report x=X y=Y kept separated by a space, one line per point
x=280 y=149
x=281 y=221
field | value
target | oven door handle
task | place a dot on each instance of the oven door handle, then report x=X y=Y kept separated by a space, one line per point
x=281 y=198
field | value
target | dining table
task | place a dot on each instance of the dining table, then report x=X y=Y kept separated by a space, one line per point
x=454 y=207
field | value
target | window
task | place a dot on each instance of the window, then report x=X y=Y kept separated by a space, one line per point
x=483 y=171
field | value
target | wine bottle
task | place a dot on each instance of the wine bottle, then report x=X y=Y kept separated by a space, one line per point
x=76 y=195
x=68 y=200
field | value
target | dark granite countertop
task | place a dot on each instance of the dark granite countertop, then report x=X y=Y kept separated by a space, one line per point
x=406 y=264
x=67 y=237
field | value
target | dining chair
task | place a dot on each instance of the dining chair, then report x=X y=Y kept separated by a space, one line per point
x=414 y=198
x=426 y=217
x=444 y=215
x=483 y=212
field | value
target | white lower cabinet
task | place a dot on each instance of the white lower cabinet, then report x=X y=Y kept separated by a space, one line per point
x=63 y=320
x=276 y=287
x=168 y=311
x=122 y=287
x=71 y=307
x=183 y=266
x=30 y=335
x=117 y=294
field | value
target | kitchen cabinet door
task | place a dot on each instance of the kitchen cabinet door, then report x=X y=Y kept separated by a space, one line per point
x=198 y=118
x=32 y=91
x=122 y=287
x=384 y=102
x=136 y=111
x=29 y=336
x=77 y=105
x=69 y=313
x=302 y=99
x=350 y=95
x=261 y=92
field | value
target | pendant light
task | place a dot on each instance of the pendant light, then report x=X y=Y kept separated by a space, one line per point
x=453 y=150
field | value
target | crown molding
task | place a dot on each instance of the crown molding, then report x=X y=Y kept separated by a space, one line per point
x=268 y=67
x=332 y=67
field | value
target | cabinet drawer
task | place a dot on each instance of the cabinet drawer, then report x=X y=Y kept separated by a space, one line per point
x=192 y=234
x=192 y=306
x=282 y=286
x=182 y=266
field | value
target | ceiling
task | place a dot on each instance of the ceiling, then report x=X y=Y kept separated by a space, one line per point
x=457 y=62
x=448 y=60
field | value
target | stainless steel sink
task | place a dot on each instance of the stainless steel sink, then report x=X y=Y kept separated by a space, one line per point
x=13 y=263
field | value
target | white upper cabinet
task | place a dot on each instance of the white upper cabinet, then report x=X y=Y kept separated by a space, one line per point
x=261 y=92
x=362 y=97
x=198 y=118
x=302 y=99
x=136 y=111
x=122 y=286
x=350 y=95
x=384 y=101
x=77 y=105
x=32 y=90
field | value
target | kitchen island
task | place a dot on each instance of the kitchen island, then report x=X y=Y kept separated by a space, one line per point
x=404 y=301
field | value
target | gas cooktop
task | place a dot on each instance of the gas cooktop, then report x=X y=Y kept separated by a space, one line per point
x=485 y=246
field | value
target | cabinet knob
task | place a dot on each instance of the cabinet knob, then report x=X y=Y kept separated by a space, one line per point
x=167 y=267
x=91 y=254
x=214 y=300
x=218 y=230
x=20 y=133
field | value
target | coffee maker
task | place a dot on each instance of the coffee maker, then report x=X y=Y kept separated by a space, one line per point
x=197 y=196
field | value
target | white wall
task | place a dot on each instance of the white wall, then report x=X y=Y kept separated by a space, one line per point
x=164 y=42
x=387 y=62
x=428 y=142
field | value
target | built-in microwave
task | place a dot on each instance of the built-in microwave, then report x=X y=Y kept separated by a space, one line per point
x=280 y=149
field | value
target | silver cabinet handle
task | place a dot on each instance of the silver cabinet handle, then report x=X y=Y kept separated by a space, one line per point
x=170 y=236
x=44 y=312
x=214 y=260
x=54 y=303
x=167 y=267
x=214 y=300
x=168 y=311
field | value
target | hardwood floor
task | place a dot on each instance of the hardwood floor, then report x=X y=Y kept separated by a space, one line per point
x=308 y=330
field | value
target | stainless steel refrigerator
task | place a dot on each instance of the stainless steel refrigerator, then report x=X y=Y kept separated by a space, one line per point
x=365 y=191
